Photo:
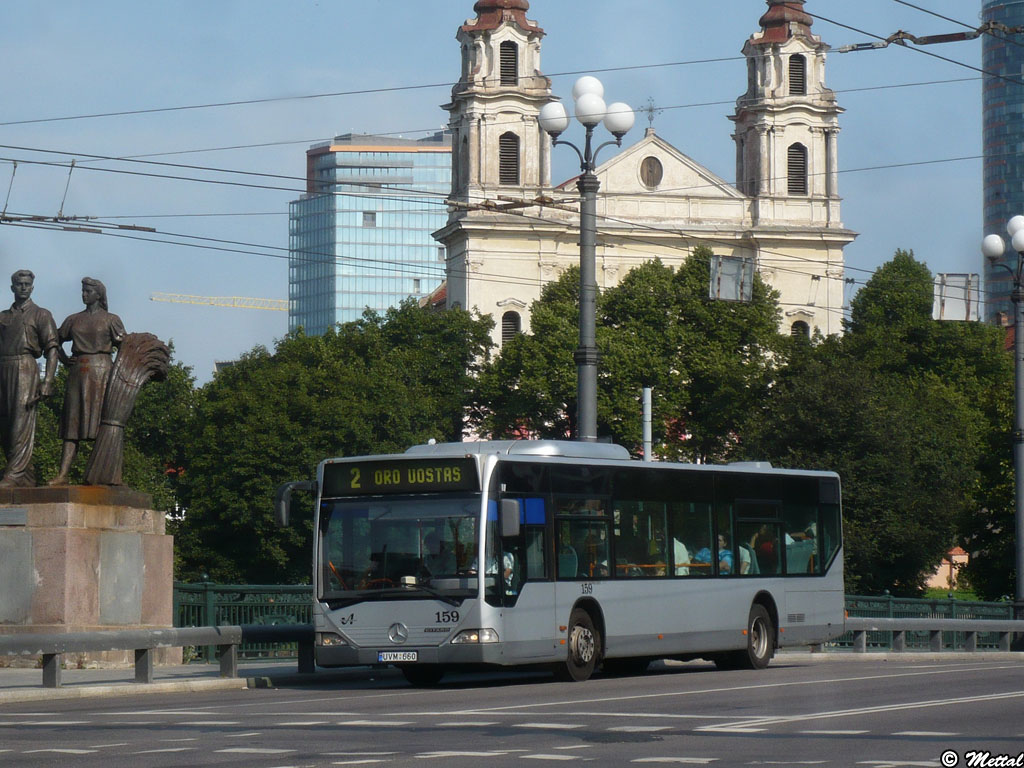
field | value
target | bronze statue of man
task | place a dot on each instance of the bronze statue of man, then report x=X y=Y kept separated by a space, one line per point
x=94 y=335
x=27 y=332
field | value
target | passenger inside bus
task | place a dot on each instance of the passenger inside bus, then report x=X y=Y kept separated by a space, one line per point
x=438 y=559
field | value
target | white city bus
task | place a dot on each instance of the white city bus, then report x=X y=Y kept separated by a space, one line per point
x=567 y=554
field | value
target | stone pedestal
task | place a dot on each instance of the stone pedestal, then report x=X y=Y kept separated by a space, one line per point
x=82 y=559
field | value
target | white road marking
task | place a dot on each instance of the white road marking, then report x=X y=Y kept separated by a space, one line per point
x=60 y=751
x=550 y=757
x=550 y=726
x=376 y=723
x=924 y=733
x=730 y=728
x=253 y=751
x=55 y=722
x=467 y=723
x=165 y=749
x=677 y=760
x=454 y=753
x=208 y=722
x=784 y=719
x=640 y=728
x=358 y=754
x=300 y=723
x=105 y=746
x=357 y=762
x=835 y=732
x=574 y=703
x=243 y=735
x=899 y=763
x=190 y=738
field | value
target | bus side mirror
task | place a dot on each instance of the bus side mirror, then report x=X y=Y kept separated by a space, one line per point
x=283 y=498
x=509 y=518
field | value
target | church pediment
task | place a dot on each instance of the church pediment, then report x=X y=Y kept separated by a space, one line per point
x=652 y=166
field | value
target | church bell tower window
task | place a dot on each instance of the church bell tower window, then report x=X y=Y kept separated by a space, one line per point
x=508 y=159
x=796 y=169
x=797 y=75
x=509 y=62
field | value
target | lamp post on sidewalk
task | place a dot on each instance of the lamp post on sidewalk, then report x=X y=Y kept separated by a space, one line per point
x=993 y=247
x=590 y=110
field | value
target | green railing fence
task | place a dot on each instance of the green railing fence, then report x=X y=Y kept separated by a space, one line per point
x=887 y=606
x=206 y=604
x=212 y=605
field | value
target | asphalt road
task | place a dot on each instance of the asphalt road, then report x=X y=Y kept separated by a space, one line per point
x=798 y=712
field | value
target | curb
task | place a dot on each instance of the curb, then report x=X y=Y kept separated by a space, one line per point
x=86 y=690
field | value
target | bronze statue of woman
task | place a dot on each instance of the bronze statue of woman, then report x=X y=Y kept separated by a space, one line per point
x=94 y=334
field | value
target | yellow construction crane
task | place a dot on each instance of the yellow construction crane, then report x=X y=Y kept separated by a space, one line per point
x=235 y=302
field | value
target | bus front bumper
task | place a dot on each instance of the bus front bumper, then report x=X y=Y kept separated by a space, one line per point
x=350 y=656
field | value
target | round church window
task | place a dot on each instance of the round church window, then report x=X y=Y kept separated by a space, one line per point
x=651 y=172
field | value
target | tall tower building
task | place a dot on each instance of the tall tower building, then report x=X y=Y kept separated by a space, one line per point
x=361 y=235
x=1002 y=103
x=654 y=200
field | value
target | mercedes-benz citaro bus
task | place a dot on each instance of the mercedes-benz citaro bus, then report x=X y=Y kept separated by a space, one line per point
x=567 y=554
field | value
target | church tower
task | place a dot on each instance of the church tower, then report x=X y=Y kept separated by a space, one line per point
x=787 y=122
x=497 y=145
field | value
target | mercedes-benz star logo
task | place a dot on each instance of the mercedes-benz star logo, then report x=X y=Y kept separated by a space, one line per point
x=398 y=633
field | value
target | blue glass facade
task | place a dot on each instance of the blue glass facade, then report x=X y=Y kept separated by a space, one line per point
x=361 y=235
x=1003 y=139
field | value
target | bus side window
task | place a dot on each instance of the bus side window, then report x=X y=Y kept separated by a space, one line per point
x=690 y=533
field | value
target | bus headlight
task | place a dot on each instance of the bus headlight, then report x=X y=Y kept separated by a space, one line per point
x=329 y=638
x=475 y=636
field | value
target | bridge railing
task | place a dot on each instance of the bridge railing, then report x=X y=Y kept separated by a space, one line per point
x=51 y=648
x=901 y=629
x=889 y=607
x=211 y=605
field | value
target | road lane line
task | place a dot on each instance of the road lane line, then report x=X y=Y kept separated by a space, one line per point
x=705 y=691
x=677 y=760
x=165 y=749
x=550 y=726
x=925 y=733
x=253 y=751
x=833 y=732
x=376 y=723
x=60 y=751
x=468 y=724
x=785 y=719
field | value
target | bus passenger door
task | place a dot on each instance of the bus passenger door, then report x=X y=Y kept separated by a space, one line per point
x=529 y=621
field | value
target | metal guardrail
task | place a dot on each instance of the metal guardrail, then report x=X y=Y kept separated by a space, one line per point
x=206 y=604
x=899 y=628
x=144 y=641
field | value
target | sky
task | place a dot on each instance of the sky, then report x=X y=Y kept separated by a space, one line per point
x=909 y=147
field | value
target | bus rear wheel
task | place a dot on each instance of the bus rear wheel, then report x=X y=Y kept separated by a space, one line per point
x=584 y=650
x=424 y=675
x=760 y=643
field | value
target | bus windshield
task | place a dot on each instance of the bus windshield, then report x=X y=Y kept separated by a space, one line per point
x=410 y=547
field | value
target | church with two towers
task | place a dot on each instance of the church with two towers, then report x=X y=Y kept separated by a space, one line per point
x=511 y=231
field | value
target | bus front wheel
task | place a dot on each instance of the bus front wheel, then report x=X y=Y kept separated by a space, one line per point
x=584 y=648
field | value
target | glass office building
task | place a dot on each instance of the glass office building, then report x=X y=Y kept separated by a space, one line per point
x=361 y=235
x=1003 y=138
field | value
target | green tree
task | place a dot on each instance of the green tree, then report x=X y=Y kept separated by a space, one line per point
x=376 y=385
x=908 y=410
x=707 y=361
x=905 y=450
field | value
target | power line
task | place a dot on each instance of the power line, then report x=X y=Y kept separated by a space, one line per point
x=335 y=94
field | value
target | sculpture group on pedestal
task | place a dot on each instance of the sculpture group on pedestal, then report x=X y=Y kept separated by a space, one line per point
x=107 y=368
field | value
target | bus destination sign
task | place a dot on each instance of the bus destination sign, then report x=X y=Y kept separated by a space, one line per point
x=375 y=476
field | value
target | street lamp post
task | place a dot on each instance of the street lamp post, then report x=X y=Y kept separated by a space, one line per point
x=993 y=248
x=590 y=110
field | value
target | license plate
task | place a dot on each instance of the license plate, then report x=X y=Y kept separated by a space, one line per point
x=392 y=656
